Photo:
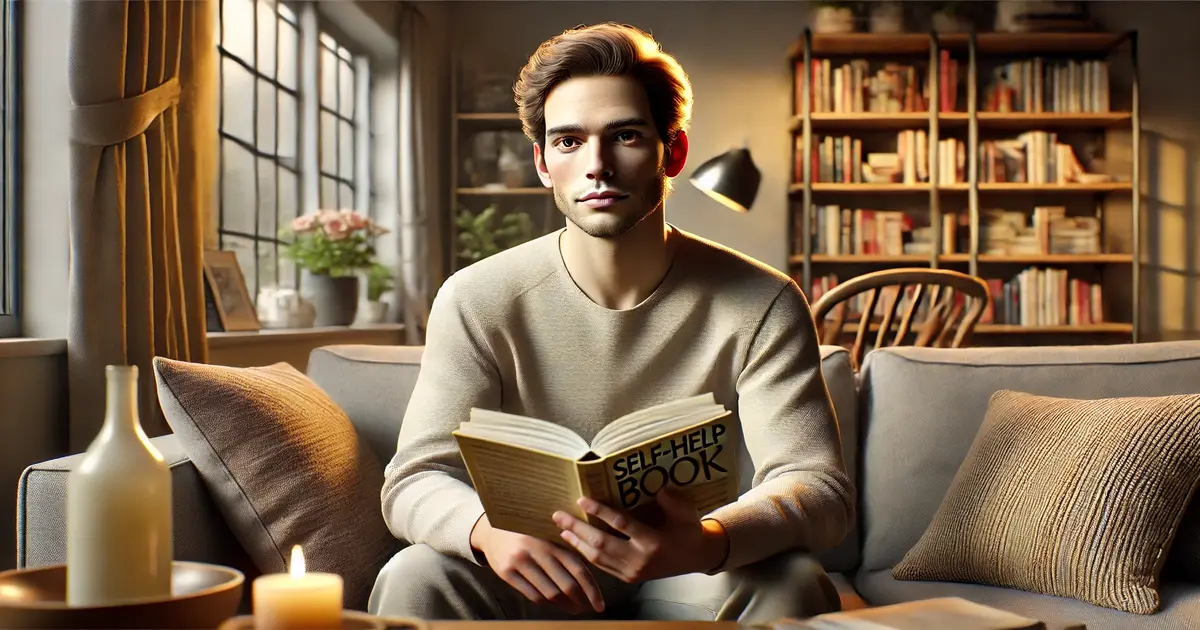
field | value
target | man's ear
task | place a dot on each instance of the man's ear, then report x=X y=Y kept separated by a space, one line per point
x=539 y=163
x=677 y=152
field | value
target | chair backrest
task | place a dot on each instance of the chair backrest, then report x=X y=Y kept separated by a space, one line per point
x=956 y=301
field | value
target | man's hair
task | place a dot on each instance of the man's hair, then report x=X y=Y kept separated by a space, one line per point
x=607 y=49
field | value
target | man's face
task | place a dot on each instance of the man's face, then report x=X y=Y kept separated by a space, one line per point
x=603 y=155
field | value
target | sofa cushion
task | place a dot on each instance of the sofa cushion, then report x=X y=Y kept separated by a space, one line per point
x=842 y=384
x=1076 y=498
x=285 y=467
x=922 y=407
x=1180 y=603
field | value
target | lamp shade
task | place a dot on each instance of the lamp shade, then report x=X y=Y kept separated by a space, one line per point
x=731 y=178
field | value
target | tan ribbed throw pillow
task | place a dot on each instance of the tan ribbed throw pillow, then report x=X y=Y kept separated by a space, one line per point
x=1075 y=498
x=285 y=467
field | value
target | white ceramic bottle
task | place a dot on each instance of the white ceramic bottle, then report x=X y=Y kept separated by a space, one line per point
x=119 y=537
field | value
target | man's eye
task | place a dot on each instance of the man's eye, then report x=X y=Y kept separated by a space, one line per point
x=627 y=136
x=565 y=141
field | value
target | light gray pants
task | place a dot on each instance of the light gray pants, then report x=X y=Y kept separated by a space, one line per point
x=422 y=583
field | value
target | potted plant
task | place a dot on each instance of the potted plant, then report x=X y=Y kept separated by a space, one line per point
x=480 y=237
x=333 y=247
x=835 y=16
x=379 y=281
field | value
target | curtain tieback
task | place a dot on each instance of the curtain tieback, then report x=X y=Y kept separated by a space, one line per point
x=114 y=122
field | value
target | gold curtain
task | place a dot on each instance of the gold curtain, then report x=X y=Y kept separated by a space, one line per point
x=142 y=78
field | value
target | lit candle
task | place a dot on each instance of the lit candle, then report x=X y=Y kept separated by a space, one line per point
x=298 y=600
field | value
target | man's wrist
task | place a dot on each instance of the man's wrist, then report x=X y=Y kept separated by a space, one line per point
x=479 y=534
x=716 y=544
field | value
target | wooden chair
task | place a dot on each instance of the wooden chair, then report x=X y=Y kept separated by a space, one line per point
x=943 y=313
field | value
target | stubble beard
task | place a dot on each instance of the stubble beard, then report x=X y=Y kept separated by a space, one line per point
x=613 y=224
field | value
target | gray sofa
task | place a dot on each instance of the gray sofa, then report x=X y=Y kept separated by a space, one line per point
x=907 y=422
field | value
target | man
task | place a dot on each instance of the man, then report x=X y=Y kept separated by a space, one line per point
x=618 y=311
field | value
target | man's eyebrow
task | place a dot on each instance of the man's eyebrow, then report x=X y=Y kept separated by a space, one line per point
x=615 y=124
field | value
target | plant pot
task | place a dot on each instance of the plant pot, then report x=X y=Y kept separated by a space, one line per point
x=943 y=22
x=833 y=20
x=887 y=17
x=335 y=299
x=375 y=312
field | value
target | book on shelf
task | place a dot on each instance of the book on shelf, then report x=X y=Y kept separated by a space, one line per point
x=1044 y=297
x=1048 y=230
x=840 y=159
x=1033 y=157
x=1040 y=85
x=525 y=469
x=853 y=87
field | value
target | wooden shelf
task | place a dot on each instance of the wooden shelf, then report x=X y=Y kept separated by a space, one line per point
x=1056 y=259
x=488 y=117
x=863 y=258
x=864 y=44
x=1036 y=43
x=503 y=191
x=1056 y=188
x=863 y=120
x=1029 y=120
x=862 y=188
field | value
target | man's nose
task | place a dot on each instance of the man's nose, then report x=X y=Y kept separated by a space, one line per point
x=599 y=162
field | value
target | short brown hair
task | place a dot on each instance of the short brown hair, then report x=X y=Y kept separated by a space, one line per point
x=607 y=49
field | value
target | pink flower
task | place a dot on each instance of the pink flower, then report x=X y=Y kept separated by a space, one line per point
x=337 y=229
x=303 y=224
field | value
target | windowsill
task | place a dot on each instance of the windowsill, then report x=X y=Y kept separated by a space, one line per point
x=281 y=335
x=25 y=347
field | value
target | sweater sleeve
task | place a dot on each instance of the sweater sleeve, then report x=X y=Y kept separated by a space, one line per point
x=801 y=497
x=427 y=495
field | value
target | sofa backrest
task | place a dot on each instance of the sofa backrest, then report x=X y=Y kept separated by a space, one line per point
x=373 y=384
x=921 y=408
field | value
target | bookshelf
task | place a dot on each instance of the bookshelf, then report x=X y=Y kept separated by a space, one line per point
x=1014 y=159
x=482 y=104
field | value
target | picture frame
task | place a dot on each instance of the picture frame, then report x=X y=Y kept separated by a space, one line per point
x=226 y=295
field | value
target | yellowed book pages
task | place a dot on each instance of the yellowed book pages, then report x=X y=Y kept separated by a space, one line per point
x=942 y=613
x=524 y=469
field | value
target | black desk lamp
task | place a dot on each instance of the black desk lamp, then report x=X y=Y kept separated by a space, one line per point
x=731 y=178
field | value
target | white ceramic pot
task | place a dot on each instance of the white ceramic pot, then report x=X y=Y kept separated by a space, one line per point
x=828 y=19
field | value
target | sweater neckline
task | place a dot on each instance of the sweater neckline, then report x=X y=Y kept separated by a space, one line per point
x=663 y=288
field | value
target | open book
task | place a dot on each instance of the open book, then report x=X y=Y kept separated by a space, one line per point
x=525 y=469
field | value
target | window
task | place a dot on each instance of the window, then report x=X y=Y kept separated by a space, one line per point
x=9 y=324
x=263 y=173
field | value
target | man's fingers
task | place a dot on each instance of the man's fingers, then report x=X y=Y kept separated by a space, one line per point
x=567 y=583
x=619 y=521
x=603 y=547
x=585 y=579
x=592 y=554
x=549 y=591
x=518 y=581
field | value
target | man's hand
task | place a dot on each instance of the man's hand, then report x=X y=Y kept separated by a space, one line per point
x=682 y=544
x=540 y=570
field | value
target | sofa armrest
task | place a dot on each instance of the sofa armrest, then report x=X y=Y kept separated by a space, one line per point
x=201 y=534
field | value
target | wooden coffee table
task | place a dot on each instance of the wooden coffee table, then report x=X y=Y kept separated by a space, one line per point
x=583 y=625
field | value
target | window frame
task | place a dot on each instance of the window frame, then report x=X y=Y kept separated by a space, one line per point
x=10 y=321
x=308 y=170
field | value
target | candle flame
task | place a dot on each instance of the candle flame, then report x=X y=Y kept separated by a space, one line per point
x=297 y=561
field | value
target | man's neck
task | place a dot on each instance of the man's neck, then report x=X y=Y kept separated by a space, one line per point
x=620 y=273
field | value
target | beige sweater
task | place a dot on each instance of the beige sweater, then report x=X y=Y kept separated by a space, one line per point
x=515 y=333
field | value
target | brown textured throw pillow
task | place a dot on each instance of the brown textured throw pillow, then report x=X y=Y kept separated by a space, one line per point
x=284 y=465
x=1075 y=498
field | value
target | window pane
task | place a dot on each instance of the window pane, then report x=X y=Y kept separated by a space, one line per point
x=289 y=204
x=266 y=116
x=237 y=28
x=329 y=68
x=268 y=265
x=346 y=198
x=237 y=188
x=346 y=80
x=328 y=143
x=266 y=37
x=329 y=198
x=266 y=198
x=237 y=100
x=346 y=151
x=289 y=54
x=287 y=272
x=244 y=249
x=289 y=127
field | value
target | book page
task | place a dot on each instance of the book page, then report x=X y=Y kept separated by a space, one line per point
x=524 y=431
x=521 y=488
x=655 y=421
x=699 y=461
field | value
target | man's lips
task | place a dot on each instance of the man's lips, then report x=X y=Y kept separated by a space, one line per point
x=602 y=199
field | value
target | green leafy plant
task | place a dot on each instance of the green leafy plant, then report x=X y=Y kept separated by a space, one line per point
x=480 y=237
x=332 y=242
x=379 y=281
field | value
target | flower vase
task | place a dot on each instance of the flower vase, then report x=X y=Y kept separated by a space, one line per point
x=335 y=298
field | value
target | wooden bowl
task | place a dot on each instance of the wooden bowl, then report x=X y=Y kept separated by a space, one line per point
x=351 y=620
x=203 y=596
